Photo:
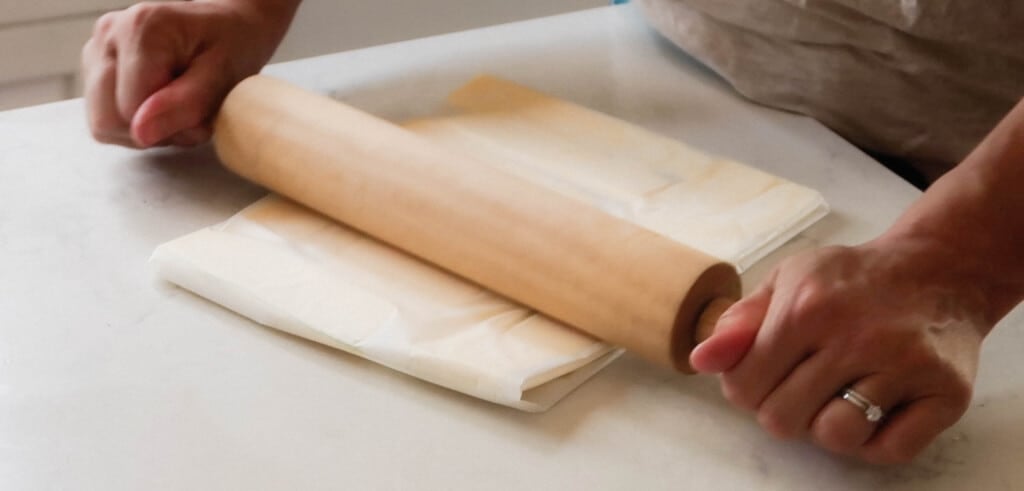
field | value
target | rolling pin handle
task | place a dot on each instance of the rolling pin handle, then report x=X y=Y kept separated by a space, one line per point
x=709 y=318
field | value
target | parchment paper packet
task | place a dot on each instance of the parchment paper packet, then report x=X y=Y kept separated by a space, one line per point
x=290 y=268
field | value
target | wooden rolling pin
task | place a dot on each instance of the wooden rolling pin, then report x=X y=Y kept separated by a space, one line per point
x=608 y=277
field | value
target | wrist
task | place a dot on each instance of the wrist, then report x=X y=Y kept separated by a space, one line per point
x=969 y=219
x=964 y=281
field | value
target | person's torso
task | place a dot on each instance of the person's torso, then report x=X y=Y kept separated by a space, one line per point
x=923 y=80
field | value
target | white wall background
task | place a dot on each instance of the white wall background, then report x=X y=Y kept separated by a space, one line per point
x=40 y=40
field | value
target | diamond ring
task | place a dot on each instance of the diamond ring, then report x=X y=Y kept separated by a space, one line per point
x=873 y=412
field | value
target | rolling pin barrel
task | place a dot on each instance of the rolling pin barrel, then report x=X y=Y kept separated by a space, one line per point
x=603 y=275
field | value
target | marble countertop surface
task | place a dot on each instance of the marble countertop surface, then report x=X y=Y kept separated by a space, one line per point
x=110 y=379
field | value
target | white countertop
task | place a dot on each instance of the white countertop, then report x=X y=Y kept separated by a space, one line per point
x=112 y=380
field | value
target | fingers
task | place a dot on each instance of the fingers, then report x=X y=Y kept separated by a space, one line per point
x=105 y=121
x=179 y=111
x=158 y=70
x=843 y=427
x=810 y=401
x=734 y=333
x=135 y=55
x=142 y=69
x=104 y=74
x=839 y=316
x=99 y=73
x=910 y=430
x=779 y=347
x=789 y=410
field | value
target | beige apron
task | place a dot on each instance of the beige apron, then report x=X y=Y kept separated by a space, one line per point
x=921 y=80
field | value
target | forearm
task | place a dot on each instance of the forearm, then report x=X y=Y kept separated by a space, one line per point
x=974 y=215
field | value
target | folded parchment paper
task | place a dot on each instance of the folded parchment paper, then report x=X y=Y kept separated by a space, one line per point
x=290 y=268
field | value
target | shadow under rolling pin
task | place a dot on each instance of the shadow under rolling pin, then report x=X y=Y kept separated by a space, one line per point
x=575 y=263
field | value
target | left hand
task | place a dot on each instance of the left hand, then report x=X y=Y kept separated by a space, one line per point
x=893 y=319
x=157 y=72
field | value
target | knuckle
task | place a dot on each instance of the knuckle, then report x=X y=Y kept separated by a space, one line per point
x=147 y=18
x=102 y=42
x=812 y=297
x=142 y=11
x=105 y=23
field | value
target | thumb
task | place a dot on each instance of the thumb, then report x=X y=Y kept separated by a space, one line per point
x=185 y=103
x=734 y=333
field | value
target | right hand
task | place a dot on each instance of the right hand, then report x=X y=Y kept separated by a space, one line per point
x=891 y=319
x=156 y=73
